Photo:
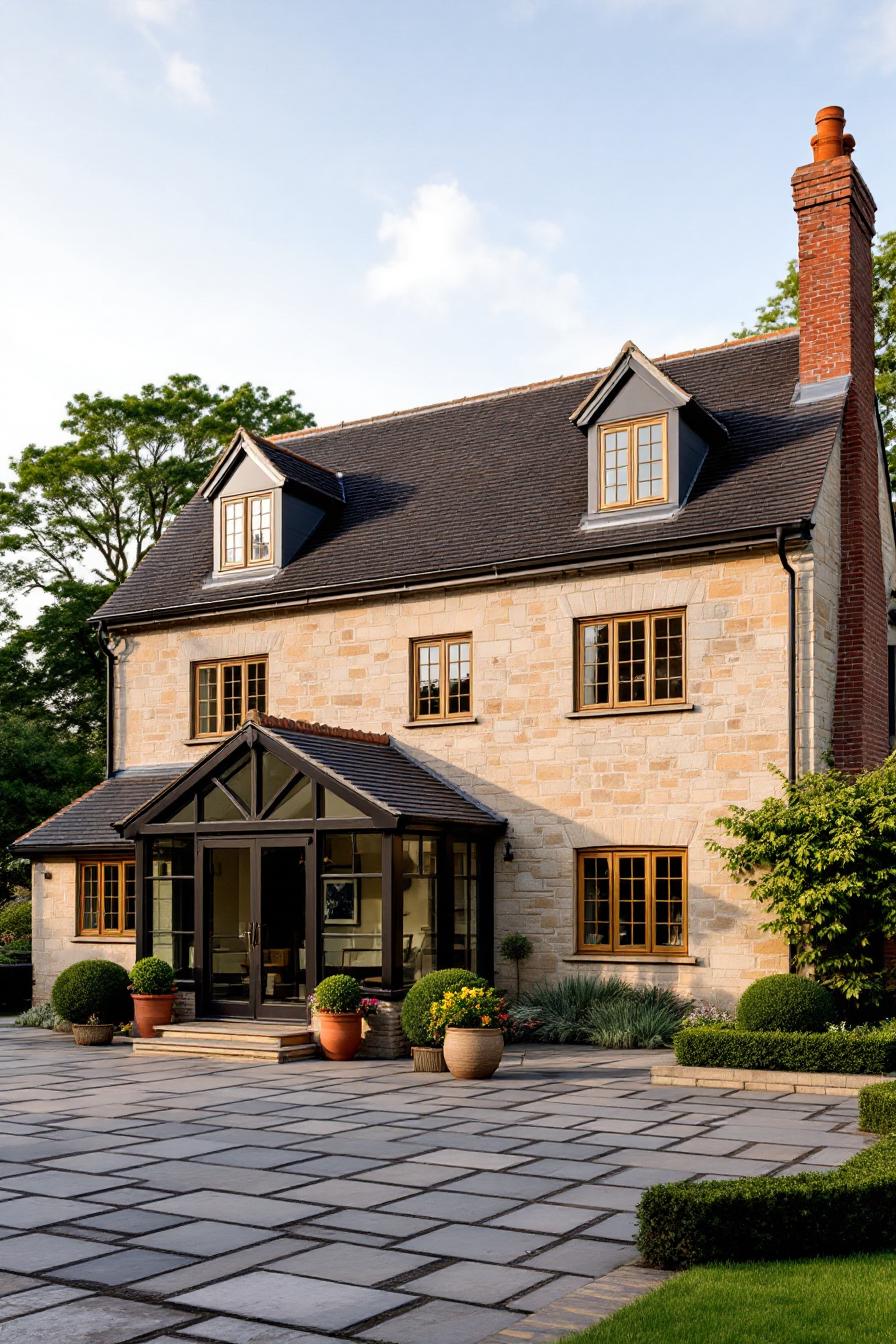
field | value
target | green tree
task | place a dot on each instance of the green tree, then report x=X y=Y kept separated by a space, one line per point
x=782 y=309
x=821 y=857
x=91 y=506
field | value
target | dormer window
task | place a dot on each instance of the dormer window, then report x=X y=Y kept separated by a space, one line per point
x=247 y=536
x=633 y=464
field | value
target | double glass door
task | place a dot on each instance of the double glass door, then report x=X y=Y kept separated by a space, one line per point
x=256 y=902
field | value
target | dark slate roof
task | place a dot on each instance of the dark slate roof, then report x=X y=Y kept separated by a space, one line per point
x=89 y=822
x=375 y=766
x=300 y=470
x=498 y=482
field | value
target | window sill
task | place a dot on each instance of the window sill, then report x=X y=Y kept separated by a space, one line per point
x=634 y=959
x=613 y=713
x=105 y=938
x=207 y=741
x=441 y=723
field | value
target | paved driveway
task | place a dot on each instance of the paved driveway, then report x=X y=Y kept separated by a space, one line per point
x=161 y=1200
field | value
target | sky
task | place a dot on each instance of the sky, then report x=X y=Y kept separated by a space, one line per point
x=383 y=203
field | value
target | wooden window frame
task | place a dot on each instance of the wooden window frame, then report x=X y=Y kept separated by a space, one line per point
x=442 y=641
x=614 y=703
x=219 y=664
x=615 y=948
x=102 y=930
x=247 y=562
x=632 y=426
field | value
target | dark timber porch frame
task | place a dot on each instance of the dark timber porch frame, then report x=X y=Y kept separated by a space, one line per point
x=474 y=824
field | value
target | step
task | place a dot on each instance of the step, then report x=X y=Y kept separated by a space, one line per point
x=233 y=1031
x=224 y=1050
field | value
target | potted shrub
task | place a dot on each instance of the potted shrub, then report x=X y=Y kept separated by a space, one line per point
x=93 y=997
x=516 y=948
x=416 y=1023
x=472 y=1020
x=340 y=1011
x=153 y=993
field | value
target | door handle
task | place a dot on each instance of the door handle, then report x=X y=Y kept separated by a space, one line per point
x=256 y=933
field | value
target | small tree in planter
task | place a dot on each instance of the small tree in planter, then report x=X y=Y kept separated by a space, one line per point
x=153 y=993
x=821 y=857
x=471 y=1020
x=93 y=996
x=517 y=948
x=416 y=1022
x=341 y=1009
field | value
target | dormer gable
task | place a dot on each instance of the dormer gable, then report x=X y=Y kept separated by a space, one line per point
x=266 y=500
x=647 y=440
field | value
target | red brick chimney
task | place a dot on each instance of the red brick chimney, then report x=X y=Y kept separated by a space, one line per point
x=835 y=212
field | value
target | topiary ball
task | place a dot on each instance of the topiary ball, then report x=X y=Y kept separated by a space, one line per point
x=415 y=1020
x=92 y=989
x=786 y=1003
x=152 y=975
x=338 y=994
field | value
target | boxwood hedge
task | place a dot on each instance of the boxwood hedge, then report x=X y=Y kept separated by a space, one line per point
x=877 y=1108
x=849 y=1210
x=800 y=1051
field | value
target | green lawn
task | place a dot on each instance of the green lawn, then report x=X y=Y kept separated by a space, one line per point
x=849 y=1301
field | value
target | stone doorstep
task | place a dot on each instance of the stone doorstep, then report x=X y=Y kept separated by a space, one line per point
x=765 y=1080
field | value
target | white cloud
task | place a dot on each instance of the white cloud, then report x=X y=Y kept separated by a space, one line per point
x=185 y=78
x=154 y=13
x=741 y=15
x=440 y=252
x=874 y=44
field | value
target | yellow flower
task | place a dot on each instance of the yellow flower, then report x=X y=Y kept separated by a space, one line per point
x=485 y=1021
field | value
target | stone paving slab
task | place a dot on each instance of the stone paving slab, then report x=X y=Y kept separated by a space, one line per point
x=162 y=1200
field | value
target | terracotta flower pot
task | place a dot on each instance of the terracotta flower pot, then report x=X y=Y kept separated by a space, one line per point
x=151 y=1011
x=93 y=1033
x=340 y=1034
x=428 y=1059
x=473 y=1052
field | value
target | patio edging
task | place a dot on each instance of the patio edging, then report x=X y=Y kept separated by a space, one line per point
x=584 y=1306
x=764 y=1080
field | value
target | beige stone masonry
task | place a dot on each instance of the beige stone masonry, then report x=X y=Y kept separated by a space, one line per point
x=765 y=1080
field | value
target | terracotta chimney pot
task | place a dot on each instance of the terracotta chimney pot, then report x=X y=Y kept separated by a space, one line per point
x=829 y=142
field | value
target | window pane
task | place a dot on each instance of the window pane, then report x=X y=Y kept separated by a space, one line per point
x=465 y=899
x=232 y=716
x=207 y=700
x=130 y=897
x=183 y=812
x=297 y=803
x=632 y=901
x=352 y=922
x=459 y=677
x=615 y=467
x=418 y=952
x=111 y=898
x=257 y=686
x=234 y=547
x=429 y=701
x=170 y=896
x=334 y=806
x=595 y=664
x=260 y=527
x=650 y=460
x=90 y=897
x=668 y=657
x=668 y=894
x=596 y=902
x=632 y=662
x=239 y=781
x=216 y=806
x=274 y=775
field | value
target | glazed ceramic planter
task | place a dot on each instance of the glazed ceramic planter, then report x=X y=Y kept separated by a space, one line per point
x=428 y=1059
x=93 y=1033
x=340 y=1035
x=473 y=1052
x=151 y=1011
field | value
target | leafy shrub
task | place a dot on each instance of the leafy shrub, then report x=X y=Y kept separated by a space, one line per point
x=842 y=1212
x=877 y=1108
x=415 y=1010
x=41 y=1015
x=468 y=1006
x=604 y=1012
x=708 y=1015
x=338 y=994
x=92 y=989
x=786 y=1003
x=645 y=1021
x=152 y=975
x=15 y=922
x=799 y=1051
x=515 y=947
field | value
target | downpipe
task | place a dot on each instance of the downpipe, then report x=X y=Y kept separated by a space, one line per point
x=105 y=644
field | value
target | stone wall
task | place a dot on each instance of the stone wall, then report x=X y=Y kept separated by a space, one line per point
x=646 y=778
x=54 y=927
